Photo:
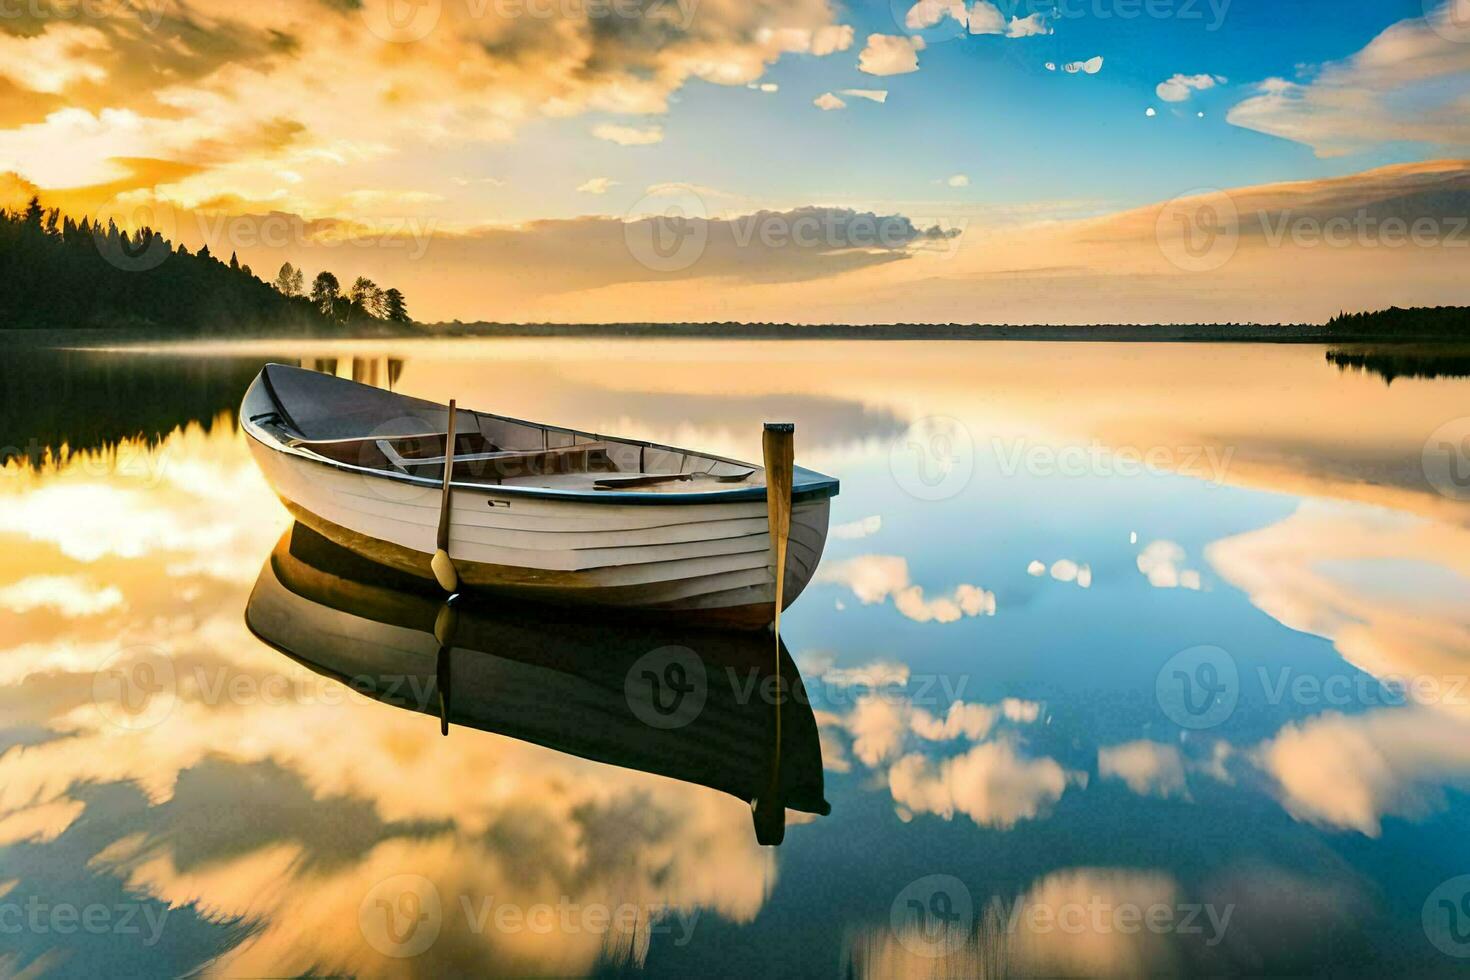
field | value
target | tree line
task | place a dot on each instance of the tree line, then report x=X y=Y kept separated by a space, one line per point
x=363 y=300
x=1395 y=323
x=59 y=273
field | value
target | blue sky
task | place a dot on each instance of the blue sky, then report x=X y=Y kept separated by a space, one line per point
x=986 y=106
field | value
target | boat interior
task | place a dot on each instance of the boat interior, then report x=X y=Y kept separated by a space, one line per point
x=349 y=423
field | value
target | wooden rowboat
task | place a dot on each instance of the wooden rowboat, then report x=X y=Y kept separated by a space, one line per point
x=588 y=689
x=540 y=512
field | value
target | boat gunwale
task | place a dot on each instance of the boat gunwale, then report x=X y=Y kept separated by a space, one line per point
x=815 y=486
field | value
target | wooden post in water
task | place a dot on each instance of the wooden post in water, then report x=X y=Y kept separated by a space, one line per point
x=779 y=446
x=445 y=625
x=442 y=564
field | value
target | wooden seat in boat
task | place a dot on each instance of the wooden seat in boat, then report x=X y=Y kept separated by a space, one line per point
x=499 y=464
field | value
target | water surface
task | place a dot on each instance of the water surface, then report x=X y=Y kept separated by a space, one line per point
x=1122 y=659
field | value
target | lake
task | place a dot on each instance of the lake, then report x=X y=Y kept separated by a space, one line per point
x=1123 y=659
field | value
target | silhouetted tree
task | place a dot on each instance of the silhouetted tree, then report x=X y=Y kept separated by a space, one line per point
x=324 y=293
x=289 y=280
x=394 y=308
x=366 y=298
x=33 y=214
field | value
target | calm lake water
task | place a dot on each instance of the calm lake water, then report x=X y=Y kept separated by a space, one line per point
x=1122 y=660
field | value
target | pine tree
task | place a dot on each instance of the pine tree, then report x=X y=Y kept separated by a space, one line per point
x=394 y=308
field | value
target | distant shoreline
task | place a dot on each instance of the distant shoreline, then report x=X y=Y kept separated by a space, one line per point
x=1118 y=333
x=1214 y=333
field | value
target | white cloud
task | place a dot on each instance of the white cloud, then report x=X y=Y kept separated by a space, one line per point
x=986 y=18
x=879 y=673
x=972 y=721
x=53 y=59
x=69 y=595
x=1149 y=768
x=1304 y=572
x=927 y=13
x=828 y=102
x=39 y=824
x=1346 y=771
x=629 y=135
x=992 y=784
x=1063 y=570
x=967 y=601
x=856 y=530
x=1181 y=87
x=890 y=54
x=1151 y=112
x=675 y=188
x=831 y=39
x=1161 y=562
x=820 y=42
x=959 y=180
x=1089 y=67
x=766 y=87
x=879 y=95
x=597 y=185
x=879 y=578
x=1410 y=84
x=1032 y=26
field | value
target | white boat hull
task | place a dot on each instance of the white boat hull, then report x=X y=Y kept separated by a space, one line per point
x=710 y=561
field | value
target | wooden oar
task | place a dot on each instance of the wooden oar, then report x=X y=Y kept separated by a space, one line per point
x=441 y=563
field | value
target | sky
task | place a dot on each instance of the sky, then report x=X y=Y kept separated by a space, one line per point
x=798 y=160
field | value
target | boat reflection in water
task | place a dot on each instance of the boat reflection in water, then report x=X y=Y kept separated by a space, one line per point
x=700 y=706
